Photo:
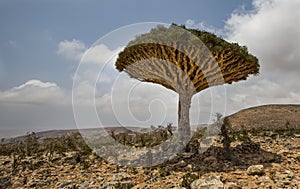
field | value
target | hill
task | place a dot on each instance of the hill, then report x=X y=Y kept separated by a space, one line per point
x=266 y=117
x=58 y=133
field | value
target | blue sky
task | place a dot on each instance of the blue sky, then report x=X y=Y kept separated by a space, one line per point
x=42 y=42
x=31 y=30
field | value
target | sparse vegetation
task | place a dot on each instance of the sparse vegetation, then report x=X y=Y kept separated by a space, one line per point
x=33 y=147
x=39 y=158
x=163 y=172
x=148 y=139
x=187 y=180
x=70 y=153
x=226 y=139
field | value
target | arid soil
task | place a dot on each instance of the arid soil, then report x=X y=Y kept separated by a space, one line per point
x=260 y=157
x=280 y=157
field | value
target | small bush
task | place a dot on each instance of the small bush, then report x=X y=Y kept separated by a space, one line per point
x=187 y=180
x=31 y=146
x=157 y=136
x=163 y=172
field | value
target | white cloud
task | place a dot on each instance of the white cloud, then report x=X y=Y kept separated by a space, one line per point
x=100 y=54
x=258 y=91
x=72 y=50
x=271 y=32
x=35 y=92
x=77 y=51
x=36 y=83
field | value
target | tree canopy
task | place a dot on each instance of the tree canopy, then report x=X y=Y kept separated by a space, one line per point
x=152 y=52
x=186 y=61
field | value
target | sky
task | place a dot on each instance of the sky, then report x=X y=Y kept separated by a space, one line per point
x=43 y=43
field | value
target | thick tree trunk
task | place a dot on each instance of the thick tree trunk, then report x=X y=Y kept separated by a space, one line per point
x=184 y=128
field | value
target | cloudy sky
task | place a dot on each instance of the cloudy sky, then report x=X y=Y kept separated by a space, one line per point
x=43 y=43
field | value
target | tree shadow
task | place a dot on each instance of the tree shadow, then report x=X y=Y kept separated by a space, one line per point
x=214 y=159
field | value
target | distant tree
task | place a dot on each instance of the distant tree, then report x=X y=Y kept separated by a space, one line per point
x=226 y=138
x=178 y=71
x=218 y=116
x=215 y=128
x=169 y=128
x=153 y=128
x=113 y=135
x=31 y=143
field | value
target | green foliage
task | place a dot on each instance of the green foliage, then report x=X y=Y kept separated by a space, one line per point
x=175 y=33
x=240 y=135
x=163 y=172
x=273 y=175
x=187 y=180
x=282 y=131
x=214 y=43
x=149 y=139
x=6 y=149
x=85 y=164
x=226 y=138
x=32 y=146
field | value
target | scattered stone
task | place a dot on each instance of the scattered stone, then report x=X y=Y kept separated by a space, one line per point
x=32 y=183
x=211 y=182
x=186 y=155
x=65 y=170
x=121 y=177
x=189 y=167
x=83 y=185
x=113 y=185
x=232 y=185
x=256 y=170
x=180 y=164
x=64 y=184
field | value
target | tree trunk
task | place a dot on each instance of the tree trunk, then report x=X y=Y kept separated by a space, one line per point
x=184 y=129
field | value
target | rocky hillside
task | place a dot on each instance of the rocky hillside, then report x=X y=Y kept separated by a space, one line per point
x=260 y=159
x=266 y=117
x=271 y=161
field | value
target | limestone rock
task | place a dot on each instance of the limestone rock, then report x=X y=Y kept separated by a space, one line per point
x=211 y=182
x=232 y=185
x=256 y=170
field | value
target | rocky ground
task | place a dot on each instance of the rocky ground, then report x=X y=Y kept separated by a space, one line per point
x=267 y=161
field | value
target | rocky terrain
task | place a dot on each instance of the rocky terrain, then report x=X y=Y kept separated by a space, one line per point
x=259 y=159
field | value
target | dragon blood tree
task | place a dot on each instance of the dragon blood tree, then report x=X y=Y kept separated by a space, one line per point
x=186 y=61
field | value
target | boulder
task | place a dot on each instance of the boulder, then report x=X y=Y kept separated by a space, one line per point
x=256 y=170
x=211 y=182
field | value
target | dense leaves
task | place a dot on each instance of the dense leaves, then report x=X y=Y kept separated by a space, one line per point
x=235 y=62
